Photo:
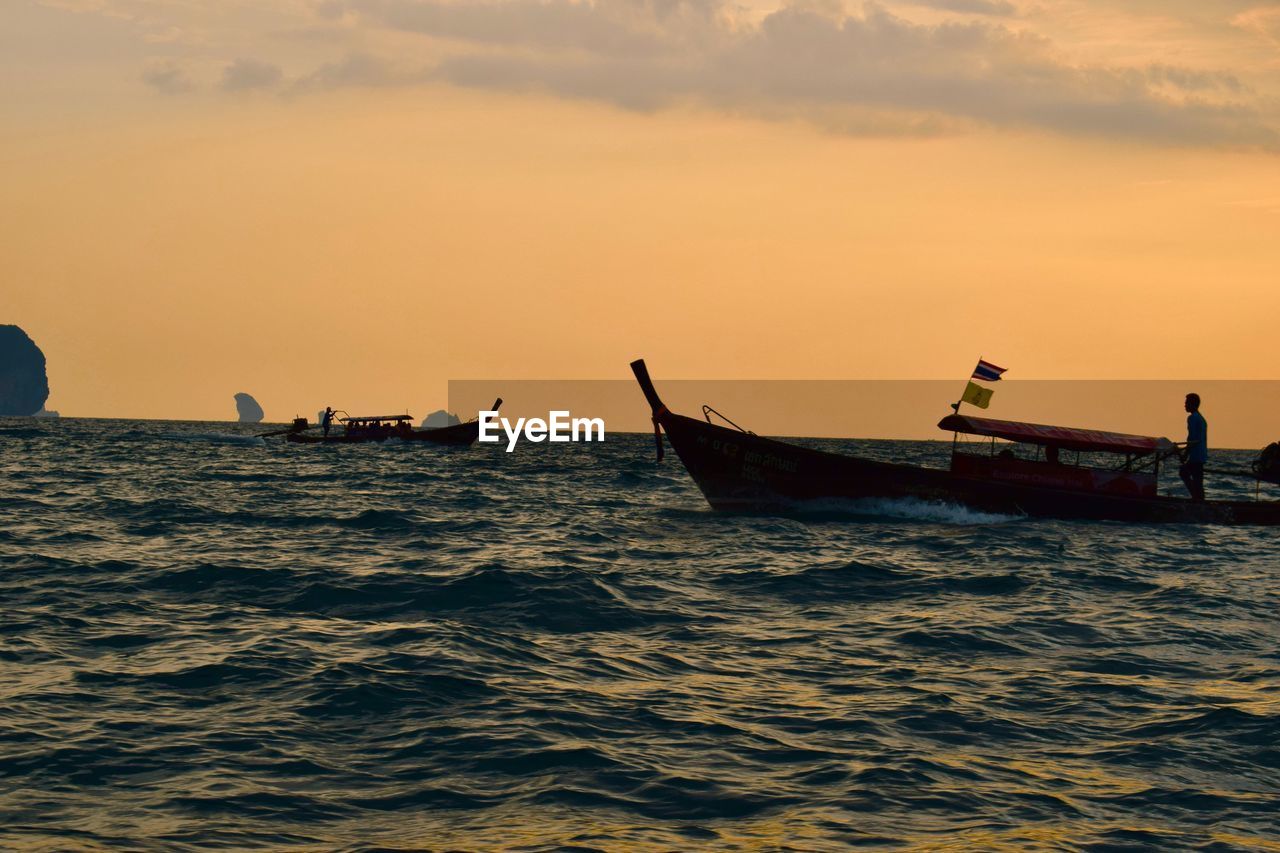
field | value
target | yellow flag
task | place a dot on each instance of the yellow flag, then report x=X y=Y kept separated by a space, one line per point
x=977 y=395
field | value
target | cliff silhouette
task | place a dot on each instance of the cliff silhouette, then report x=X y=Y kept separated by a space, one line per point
x=24 y=385
x=247 y=409
x=439 y=418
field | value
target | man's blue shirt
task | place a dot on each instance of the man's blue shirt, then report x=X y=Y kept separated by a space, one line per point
x=1197 y=438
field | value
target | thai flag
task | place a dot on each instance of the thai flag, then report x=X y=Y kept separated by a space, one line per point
x=987 y=371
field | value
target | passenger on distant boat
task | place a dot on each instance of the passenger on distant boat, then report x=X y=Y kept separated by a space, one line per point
x=326 y=419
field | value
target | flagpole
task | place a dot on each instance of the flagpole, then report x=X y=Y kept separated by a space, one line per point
x=955 y=407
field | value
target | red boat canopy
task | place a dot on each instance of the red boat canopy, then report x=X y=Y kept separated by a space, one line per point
x=1064 y=437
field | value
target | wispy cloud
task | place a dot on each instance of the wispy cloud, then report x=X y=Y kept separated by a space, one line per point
x=1263 y=21
x=358 y=70
x=875 y=69
x=1266 y=205
x=247 y=74
x=994 y=8
x=822 y=64
x=167 y=77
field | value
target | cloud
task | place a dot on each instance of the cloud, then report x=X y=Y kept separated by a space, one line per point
x=1266 y=205
x=244 y=75
x=358 y=70
x=994 y=8
x=867 y=70
x=605 y=28
x=1190 y=80
x=1263 y=21
x=872 y=72
x=167 y=77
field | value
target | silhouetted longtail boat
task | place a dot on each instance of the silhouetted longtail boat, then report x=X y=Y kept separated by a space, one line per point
x=738 y=470
x=368 y=428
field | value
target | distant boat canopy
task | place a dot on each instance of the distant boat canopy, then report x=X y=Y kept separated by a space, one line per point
x=376 y=418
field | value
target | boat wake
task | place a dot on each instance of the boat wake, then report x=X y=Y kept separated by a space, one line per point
x=902 y=508
x=215 y=438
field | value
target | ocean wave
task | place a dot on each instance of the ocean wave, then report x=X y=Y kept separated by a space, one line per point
x=208 y=643
x=23 y=433
x=854 y=580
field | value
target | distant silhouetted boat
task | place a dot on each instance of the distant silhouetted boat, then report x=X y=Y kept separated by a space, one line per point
x=738 y=470
x=366 y=428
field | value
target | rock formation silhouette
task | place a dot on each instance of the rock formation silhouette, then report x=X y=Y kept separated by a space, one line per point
x=439 y=418
x=24 y=386
x=248 y=409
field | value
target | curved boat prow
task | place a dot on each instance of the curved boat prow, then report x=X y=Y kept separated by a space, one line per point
x=646 y=385
x=655 y=402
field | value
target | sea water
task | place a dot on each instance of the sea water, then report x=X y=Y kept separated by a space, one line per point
x=211 y=640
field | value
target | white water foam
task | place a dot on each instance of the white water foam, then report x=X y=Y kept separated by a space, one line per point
x=215 y=438
x=912 y=508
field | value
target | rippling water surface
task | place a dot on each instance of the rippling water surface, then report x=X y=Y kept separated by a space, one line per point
x=212 y=641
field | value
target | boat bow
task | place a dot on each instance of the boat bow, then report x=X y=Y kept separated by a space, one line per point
x=657 y=410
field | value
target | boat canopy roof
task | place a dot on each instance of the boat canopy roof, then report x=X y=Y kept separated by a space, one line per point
x=381 y=418
x=1066 y=438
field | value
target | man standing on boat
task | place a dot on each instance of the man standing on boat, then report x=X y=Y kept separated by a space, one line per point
x=326 y=419
x=1197 y=451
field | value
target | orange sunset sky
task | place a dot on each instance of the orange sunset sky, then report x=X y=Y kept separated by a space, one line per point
x=353 y=201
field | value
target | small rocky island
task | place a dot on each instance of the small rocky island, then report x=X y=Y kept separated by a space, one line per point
x=24 y=385
x=247 y=409
x=439 y=418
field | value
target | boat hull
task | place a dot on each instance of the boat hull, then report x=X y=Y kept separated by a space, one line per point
x=739 y=471
x=457 y=435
